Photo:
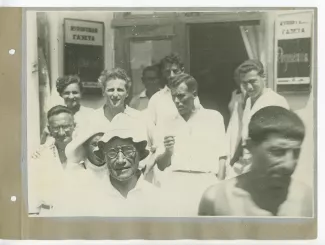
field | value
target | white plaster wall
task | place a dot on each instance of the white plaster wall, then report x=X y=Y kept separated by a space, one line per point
x=33 y=113
x=56 y=39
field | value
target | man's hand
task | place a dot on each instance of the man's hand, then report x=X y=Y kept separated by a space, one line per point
x=164 y=159
x=169 y=142
x=37 y=153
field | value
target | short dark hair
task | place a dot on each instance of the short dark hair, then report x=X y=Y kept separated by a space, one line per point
x=251 y=65
x=154 y=68
x=275 y=119
x=171 y=59
x=190 y=82
x=65 y=81
x=115 y=73
x=58 y=109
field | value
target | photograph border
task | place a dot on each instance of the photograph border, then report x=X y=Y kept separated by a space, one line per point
x=24 y=227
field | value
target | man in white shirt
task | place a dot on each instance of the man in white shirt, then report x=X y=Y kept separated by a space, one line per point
x=275 y=138
x=161 y=106
x=122 y=190
x=152 y=84
x=252 y=78
x=192 y=150
x=45 y=169
x=306 y=166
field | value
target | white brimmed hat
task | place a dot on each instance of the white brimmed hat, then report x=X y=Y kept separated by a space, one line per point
x=75 y=151
x=126 y=128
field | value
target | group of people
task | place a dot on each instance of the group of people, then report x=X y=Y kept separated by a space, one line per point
x=163 y=154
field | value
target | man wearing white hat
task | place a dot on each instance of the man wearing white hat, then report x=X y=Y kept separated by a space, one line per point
x=122 y=190
x=125 y=193
x=81 y=156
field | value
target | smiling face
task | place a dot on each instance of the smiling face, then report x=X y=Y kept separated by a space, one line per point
x=275 y=159
x=115 y=93
x=252 y=83
x=71 y=95
x=61 y=127
x=122 y=158
x=90 y=146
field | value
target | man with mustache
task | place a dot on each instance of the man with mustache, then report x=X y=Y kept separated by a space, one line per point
x=46 y=168
x=275 y=138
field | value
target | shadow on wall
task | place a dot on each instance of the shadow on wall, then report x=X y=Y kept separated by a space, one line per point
x=93 y=100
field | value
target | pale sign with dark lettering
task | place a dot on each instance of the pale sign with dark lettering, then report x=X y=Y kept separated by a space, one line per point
x=294 y=46
x=84 y=32
x=84 y=50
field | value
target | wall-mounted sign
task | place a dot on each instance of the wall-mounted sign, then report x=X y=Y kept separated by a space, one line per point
x=84 y=50
x=294 y=50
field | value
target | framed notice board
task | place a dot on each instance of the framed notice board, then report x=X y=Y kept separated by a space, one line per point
x=84 y=50
x=294 y=40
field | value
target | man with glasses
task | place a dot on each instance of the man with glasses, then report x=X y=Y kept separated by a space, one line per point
x=123 y=191
x=152 y=84
x=46 y=168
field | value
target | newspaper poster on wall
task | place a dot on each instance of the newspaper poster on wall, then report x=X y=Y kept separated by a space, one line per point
x=294 y=48
x=84 y=50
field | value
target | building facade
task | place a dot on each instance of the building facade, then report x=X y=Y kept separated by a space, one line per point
x=211 y=45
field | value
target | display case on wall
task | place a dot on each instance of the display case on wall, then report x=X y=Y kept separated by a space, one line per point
x=84 y=50
x=294 y=52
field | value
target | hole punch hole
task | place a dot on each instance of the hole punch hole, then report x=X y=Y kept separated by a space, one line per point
x=12 y=51
x=13 y=198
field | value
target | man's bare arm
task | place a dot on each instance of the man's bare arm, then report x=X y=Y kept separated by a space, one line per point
x=206 y=207
x=163 y=159
x=213 y=202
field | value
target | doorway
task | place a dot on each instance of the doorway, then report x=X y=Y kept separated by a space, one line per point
x=216 y=49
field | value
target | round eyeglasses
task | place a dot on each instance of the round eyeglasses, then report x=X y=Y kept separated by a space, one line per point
x=127 y=150
x=65 y=128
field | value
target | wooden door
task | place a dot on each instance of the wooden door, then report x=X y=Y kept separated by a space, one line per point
x=139 y=46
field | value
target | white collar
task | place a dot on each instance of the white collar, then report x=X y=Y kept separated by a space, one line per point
x=166 y=89
x=138 y=187
x=128 y=110
x=194 y=112
x=95 y=168
x=143 y=94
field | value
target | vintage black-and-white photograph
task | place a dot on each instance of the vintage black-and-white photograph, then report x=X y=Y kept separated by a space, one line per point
x=171 y=114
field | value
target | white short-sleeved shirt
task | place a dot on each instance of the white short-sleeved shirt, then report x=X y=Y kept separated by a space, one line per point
x=305 y=170
x=199 y=142
x=140 y=101
x=98 y=117
x=83 y=116
x=45 y=175
x=102 y=199
x=268 y=98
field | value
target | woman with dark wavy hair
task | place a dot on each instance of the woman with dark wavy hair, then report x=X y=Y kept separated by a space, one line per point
x=70 y=89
